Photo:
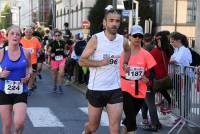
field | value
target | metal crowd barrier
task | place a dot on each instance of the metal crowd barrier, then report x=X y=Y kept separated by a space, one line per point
x=185 y=96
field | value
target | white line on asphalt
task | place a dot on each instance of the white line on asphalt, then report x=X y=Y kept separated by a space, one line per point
x=104 y=116
x=43 y=117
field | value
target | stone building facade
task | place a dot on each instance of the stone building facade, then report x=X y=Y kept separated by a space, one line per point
x=73 y=12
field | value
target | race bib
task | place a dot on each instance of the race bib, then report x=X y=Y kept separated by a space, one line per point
x=114 y=61
x=135 y=73
x=31 y=50
x=58 y=57
x=13 y=87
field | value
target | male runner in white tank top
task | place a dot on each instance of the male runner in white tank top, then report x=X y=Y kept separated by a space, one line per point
x=102 y=56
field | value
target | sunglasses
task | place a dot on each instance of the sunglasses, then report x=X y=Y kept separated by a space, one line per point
x=57 y=35
x=137 y=35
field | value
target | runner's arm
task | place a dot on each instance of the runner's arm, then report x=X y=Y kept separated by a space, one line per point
x=28 y=57
x=127 y=51
x=127 y=54
x=88 y=51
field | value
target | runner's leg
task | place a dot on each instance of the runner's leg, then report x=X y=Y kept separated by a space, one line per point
x=19 y=116
x=114 y=115
x=6 y=117
x=94 y=116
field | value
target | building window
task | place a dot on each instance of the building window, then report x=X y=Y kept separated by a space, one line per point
x=191 y=11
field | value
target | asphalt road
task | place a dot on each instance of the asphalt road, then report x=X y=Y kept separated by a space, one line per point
x=53 y=113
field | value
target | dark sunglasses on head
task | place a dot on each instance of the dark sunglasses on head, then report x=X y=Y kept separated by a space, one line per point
x=137 y=35
x=57 y=35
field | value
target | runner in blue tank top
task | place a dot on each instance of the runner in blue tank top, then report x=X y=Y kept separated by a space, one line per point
x=15 y=70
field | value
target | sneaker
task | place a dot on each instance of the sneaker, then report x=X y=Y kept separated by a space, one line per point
x=60 y=90
x=30 y=92
x=153 y=128
x=34 y=87
x=54 y=89
x=40 y=76
x=145 y=122
x=165 y=109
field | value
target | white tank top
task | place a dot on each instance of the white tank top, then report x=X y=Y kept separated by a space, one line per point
x=106 y=77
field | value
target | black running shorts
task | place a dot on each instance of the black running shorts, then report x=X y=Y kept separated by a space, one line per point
x=34 y=67
x=102 y=98
x=11 y=99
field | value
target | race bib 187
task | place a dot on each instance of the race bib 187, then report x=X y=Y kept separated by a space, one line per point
x=13 y=87
x=135 y=73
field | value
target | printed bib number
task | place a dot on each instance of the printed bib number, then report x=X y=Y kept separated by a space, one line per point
x=135 y=73
x=13 y=87
x=114 y=61
x=31 y=50
x=58 y=57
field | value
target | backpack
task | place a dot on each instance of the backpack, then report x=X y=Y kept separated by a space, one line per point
x=79 y=47
x=195 y=58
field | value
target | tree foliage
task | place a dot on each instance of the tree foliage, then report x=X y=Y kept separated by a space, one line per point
x=96 y=15
x=145 y=11
x=6 y=17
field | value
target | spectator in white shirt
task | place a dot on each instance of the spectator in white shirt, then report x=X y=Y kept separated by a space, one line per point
x=182 y=55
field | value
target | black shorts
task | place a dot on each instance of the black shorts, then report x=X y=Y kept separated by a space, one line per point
x=102 y=98
x=11 y=99
x=34 y=67
x=41 y=58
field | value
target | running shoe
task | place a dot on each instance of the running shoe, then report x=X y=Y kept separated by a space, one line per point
x=60 y=90
x=40 y=76
x=54 y=89
x=30 y=92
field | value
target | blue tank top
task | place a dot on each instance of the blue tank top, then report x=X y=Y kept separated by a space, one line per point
x=17 y=69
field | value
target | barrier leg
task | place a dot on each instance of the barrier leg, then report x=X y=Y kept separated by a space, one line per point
x=179 y=130
x=174 y=127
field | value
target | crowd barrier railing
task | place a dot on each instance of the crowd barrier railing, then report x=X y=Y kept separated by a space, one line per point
x=185 y=95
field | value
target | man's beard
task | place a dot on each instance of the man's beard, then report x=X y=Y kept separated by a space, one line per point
x=112 y=31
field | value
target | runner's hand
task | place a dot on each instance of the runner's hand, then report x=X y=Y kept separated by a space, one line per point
x=4 y=73
x=145 y=79
x=105 y=61
x=125 y=68
x=26 y=79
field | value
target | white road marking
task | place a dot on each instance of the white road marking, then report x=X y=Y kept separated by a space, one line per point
x=104 y=117
x=43 y=117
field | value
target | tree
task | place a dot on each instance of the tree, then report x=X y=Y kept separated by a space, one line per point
x=96 y=15
x=6 y=17
x=145 y=11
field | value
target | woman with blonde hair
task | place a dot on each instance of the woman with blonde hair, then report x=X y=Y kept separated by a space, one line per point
x=15 y=72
